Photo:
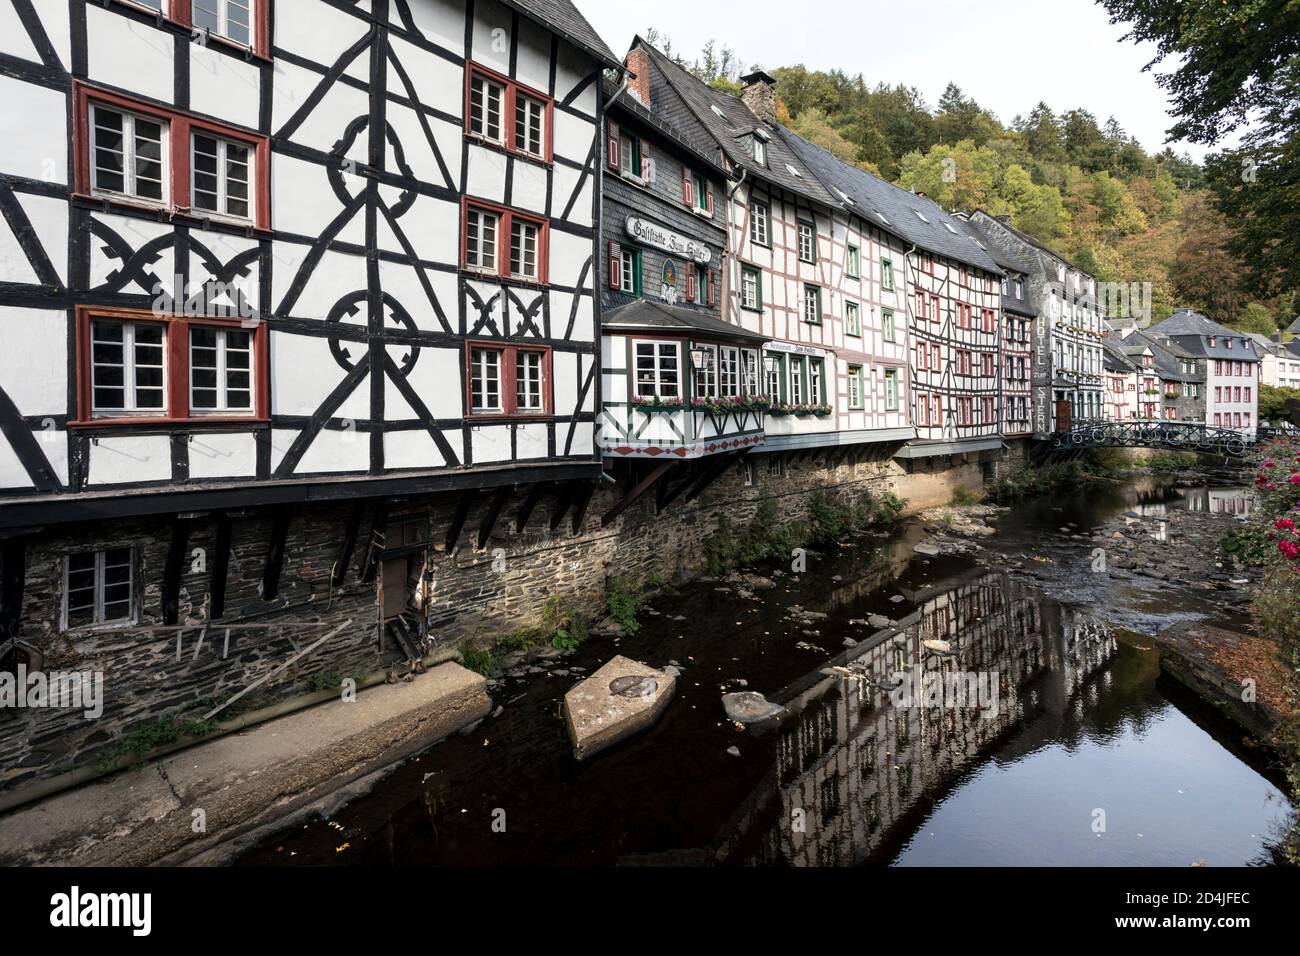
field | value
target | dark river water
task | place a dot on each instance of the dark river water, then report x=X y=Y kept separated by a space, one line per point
x=1078 y=753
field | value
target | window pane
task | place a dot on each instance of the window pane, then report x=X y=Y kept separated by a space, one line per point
x=148 y=158
x=205 y=173
x=528 y=369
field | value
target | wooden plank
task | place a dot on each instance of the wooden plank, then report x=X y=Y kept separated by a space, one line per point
x=13 y=577
x=580 y=509
x=172 y=570
x=220 y=567
x=490 y=519
x=340 y=571
x=535 y=493
x=458 y=520
x=275 y=554
x=655 y=476
x=378 y=540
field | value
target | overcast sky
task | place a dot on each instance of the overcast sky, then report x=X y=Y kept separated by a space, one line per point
x=1006 y=54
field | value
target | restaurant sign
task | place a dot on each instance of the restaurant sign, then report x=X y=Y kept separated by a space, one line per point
x=649 y=234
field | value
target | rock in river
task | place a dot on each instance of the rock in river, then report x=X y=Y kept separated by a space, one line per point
x=750 y=708
x=619 y=700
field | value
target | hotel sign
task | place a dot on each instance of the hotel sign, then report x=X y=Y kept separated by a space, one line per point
x=649 y=234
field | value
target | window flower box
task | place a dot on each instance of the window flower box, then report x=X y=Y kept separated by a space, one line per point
x=657 y=404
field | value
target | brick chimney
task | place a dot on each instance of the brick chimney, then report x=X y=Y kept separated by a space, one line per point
x=758 y=91
x=638 y=63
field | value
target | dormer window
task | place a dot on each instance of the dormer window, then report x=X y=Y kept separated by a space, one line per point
x=920 y=215
x=760 y=151
x=1213 y=340
x=794 y=172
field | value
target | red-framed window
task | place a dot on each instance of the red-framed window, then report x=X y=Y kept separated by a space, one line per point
x=503 y=113
x=504 y=243
x=508 y=380
x=935 y=312
x=242 y=24
x=134 y=153
x=139 y=367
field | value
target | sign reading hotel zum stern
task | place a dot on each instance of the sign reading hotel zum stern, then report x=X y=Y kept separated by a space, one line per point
x=661 y=238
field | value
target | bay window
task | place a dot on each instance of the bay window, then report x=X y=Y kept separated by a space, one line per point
x=706 y=375
x=728 y=372
x=658 y=370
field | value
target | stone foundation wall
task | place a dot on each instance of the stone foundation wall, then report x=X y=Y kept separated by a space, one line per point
x=477 y=594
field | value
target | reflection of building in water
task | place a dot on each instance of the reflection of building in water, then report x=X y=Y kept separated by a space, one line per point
x=1221 y=501
x=851 y=765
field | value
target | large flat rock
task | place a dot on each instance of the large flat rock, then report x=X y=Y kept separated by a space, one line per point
x=242 y=781
x=619 y=700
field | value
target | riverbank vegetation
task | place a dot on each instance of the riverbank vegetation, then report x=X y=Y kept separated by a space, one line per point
x=831 y=516
x=1272 y=541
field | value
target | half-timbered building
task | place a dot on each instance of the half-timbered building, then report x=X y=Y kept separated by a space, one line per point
x=680 y=384
x=273 y=274
x=1068 y=372
x=799 y=273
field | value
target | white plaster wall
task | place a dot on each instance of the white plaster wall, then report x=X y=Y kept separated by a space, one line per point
x=129 y=55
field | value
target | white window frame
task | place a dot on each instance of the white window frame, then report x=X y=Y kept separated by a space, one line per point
x=130 y=188
x=760 y=150
x=750 y=282
x=521 y=226
x=130 y=400
x=892 y=393
x=480 y=366
x=627 y=272
x=816 y=375
x=729 y=372
x=760 y=223
x=223 y=385
x=99 y=585
x=223 y=198
x=479 y=81
x=475 y=249
x=854 y=262
x=807 y=242
x=706 y=379
x=812 y=304
x=525 y=145
x=223 y=19
x=853 y=319
x=659 y=350
x=749 y=372
x=889 y=325
x=855 y=387
x=526 y=377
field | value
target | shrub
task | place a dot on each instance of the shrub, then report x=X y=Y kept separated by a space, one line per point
x=623 y=601
x=963 y=497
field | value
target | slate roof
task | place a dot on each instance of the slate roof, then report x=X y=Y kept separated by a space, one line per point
x=733 y=129
x=892 y=208
x=1114 y=359
x=1294 y=327
x=629 y=104
x=561 y=16
x=1167 y=356
x=1263 y=344
x=1194 y=331
x=644 y=314
x=1026 y=237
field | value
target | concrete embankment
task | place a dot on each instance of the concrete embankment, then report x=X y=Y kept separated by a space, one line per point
x=175 y=809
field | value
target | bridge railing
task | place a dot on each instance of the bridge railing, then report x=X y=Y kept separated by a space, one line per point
x=1155 y=433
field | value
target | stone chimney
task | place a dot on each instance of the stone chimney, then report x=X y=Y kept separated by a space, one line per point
x=758 y=91
x=638 y=63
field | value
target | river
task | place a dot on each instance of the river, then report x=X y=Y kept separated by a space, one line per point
x=1081 y=753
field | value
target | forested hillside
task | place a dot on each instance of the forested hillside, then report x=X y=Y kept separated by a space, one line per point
x=1080 y=184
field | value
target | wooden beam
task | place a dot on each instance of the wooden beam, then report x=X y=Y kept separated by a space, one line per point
x=220 y=567
x=535 y=493
x=490 y=519
x=668 y=497
x=714 y=473
x=339 y=573
x=378 y=540
x=13 y=577
x=580 y=509
x=562 y=502
x=171 y=582
x=458 y=519
x=654 y=477
x=275 y=555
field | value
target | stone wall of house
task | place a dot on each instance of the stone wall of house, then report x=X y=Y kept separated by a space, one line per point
x=478 y=595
